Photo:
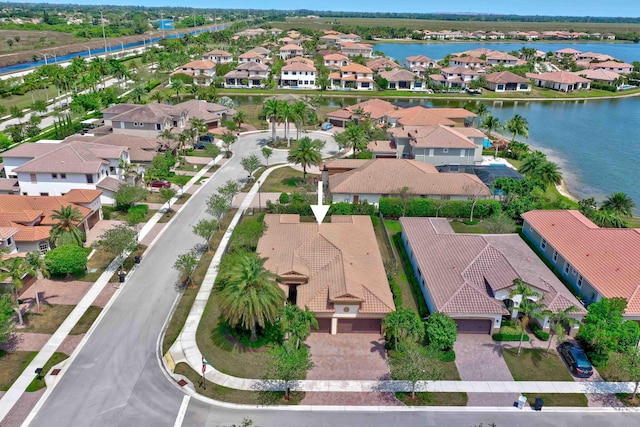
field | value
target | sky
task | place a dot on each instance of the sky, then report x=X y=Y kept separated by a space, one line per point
x=618 y=8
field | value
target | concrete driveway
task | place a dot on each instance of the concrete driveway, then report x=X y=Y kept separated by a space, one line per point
x=358 y=356
x=478 y=358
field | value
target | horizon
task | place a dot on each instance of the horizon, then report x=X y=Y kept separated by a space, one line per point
x=589 y=8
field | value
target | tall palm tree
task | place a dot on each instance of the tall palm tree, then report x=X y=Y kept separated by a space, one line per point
x=558 y=321
x=248 y=294
x=15 y=269
x=297 y=323
x=353 y=137
x=518 y=126
x=271 y=110
x=199 y=127
x=491 y=123
x=158 y=96
x=306 y=153
x=65 y=231
x=548 y=173
x=606 y=219
x=532 y=162
x=300 y=111
x=286 y=115
x=527 y=306
x=239 y=118
x=167 y=136
x=403 y=324
x=35 y=262
x=619 y=203
x=178 y=86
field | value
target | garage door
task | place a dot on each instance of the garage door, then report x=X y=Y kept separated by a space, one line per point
x=324 y=325
x=474 y=326
x=358 y=325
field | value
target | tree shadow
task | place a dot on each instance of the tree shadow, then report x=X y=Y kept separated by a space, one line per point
x=378 y=347
x=12 y=342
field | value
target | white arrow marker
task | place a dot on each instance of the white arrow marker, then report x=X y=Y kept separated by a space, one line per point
x=320 y=210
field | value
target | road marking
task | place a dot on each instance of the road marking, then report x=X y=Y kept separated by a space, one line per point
x=183 y=411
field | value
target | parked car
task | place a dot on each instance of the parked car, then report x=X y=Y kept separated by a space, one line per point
x=576 y=359
x=160 y=183
x=203 y=141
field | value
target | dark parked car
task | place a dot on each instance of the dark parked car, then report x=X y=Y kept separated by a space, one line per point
x=160 y=183
x=203 y=141
x=576 y=359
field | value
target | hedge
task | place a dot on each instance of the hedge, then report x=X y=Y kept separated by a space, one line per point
x=397 y=293
x=392 y=207
x=538 y=332
x=509 y=337
x=411 y=277
x=448 y=356
x=304 y=209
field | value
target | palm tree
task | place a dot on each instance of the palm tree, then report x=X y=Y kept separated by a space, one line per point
x=518 y=126
x=158 y=96
x=167 y=136
x=137 y=93
x=517 y=149
x=619 y=203
x=481 y=110
x=35 y=262
x=271 y=110
x=528 y=307
x=248 y=294
x=16 y=269
x=65 y=231
x=286 y=115
x=199 y=127
x=548 y=173
x=239 y=118
x=532 y=162
x=297 y=323
x=403 y=324
x=559 y=321
x=353 y=137
x=177 y=85
x=306 y=153
x=606 y=219
x=300 y=111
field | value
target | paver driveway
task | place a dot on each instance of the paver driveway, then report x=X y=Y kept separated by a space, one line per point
x=348 y=357
x=478 y=358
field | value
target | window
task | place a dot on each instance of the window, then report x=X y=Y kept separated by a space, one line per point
x=431 y=152
x=9 y=241
x=43 y=246
x=566 y=268
x=54 y=175
x=89 y=179
x=580 y=281
x=463 y=152
x=44 y=194
x=543 y=244
x=34 y=178
x=555 y=256
x=63 y=176
x=158 y=126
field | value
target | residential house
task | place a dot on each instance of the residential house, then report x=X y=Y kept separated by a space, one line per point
x=336 y=60
x=568 y=51
x=618 y=67
x=593 y=56
x=356 y=49
x=9 y=185
x=203 y=71
x=218 y=56
x=210 y=113
x=436 y=144
x=597 y=262
x=501 y=58
x=290 y=51
x=564 y=81
x=495 y=35
x=147 y=120
x=249 y=75
x=330 y=39
x=506 y=81
x=349 y=38
x=422 y=116
x=382 y=64
x=346 y=288
x=7 y=238
x=601 y=76
x=470 y=277
x=401 y=80
x=455 y=77
x=251 y=56
x=29 y=221
x=467 y=62
x=420 y=64
x=374 y=109
x=298 y=75
x=290 y=40
x=371 y=180
x=352 y=77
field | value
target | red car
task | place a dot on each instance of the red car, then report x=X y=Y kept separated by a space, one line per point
x=160 y=183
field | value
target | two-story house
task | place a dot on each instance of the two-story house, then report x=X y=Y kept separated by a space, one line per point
x=382 y=64
x=467 y=62
x=251 y=56
x=248 y=74
x=356 y=49
x=218 y=56
x=147 y=120
x=298 y=75
x=501 y=58
x=455 y=77
x=336 y=60
x=290 y=51
x=203 y=71
x=419 y=64
x=353 y=76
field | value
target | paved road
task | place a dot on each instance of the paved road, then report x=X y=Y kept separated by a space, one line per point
x=116 y=378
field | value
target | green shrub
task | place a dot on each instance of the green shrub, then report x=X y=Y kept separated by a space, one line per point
x=598 y=359
x=106 y=212
x=66 y=260
x=270 y=334
x=144 y=209
x=538 y=332
x=510 y=329
x=284 y=198
x=397 y=293
x=441 y=331
x=246 y=235
x=419 y=207
x=411 y=277
x=447 y=356
x=509 y=337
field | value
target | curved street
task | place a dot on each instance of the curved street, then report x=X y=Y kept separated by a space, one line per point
x=116 y=378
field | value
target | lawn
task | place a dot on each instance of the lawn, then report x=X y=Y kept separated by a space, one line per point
x=285 y=180
x=38 y=382
x=11 y=366
x=433 y=399
x=98 y=262
x=48 y=320
x=532 y=365
x=86 y=320
x=559 y=399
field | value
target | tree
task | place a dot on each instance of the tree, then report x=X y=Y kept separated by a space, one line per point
x=299 y=113
x=16 y=269
x=65 y=230
x=606 y=219
x=602 y=328
x=558 y=321
x=206 y=228
x=441 y=331
x=619 y=203
x=186 y=264
x=35 y=262
x=629 y=364
x=198 y=126
x=499 y=224
x=526 y=305
x=39 y=106
x=239 y=118
x=296 y=323
x=6 y=316
x=167 y=194
x=306 y=153
x=403 y=325
x=266 y=153
x=138 y=93
x=250 y=164
x=414 y=363
x=288 y=363
x=532 y=162
x=119 y=241
x=177 y=85
x=228 y=138
x=212 y=150
x=353 y=137
x=229 y=190
x=248 y=295
x=491 y=123
x=66 y=260
x=547 y=173
x=128 y=195
x=271 y=110
x=217 y=206
x=518 y=126
x=517 y=150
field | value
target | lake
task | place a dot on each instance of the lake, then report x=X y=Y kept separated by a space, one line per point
x=595 y=142
x=627 y=52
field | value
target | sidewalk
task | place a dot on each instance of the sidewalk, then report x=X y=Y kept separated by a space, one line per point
x=15 y=392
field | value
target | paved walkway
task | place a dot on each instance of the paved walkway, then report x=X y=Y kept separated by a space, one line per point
x=17 y=389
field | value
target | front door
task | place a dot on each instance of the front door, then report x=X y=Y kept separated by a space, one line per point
x=356 y=199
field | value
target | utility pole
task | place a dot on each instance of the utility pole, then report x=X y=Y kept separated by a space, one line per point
x=162 y=23
x=104 y=37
